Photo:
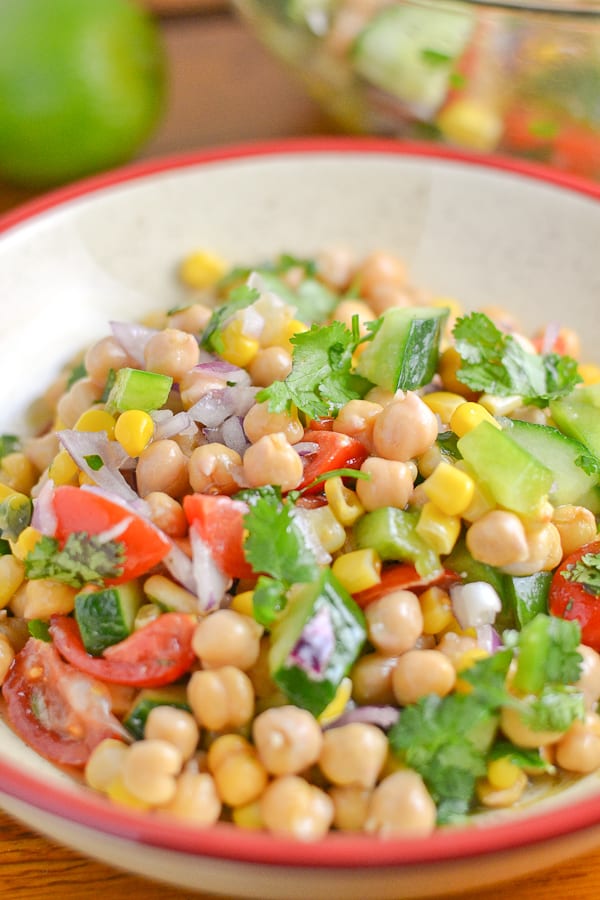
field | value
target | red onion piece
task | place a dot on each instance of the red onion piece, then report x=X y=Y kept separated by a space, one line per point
x=211 y=584
x=213 y=408
x=306 y=448
x=44 y=516
x=475 y=604
x=80 y=445
x=227 y=371
x=382 y=716
x=315 y=646
x=180 y=567
x=167 y=424
x=234 y=436
x=488 y=638
x=133 y=339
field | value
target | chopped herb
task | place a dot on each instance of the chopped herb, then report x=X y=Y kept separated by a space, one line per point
x=39 y=629
x=77 y=373
x=546 y=652
x=9 y=443
x=589 y=463
x=321 y=380
x=521 y=756
x=586 y=571
x=94 y=461
x=555 y=709
x=495 y=362
x=336 y=473
x=239 y=298
x=435 y=57
x=84 y=559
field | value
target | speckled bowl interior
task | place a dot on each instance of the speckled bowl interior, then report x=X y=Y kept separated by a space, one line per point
x=481 y=231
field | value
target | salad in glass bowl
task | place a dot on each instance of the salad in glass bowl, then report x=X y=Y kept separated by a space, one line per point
x=313 y=551
x=516 y=78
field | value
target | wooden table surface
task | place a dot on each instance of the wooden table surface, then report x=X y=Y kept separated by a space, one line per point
x=224 y=89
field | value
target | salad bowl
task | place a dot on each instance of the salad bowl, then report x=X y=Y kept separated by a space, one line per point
x=485 y=231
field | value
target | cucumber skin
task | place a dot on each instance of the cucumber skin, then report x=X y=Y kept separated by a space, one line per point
x=138 y=389
x=135 y=720
x=578 y=416
x=105 y=617
x=391 y=532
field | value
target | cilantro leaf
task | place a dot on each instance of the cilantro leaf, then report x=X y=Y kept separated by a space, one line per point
x=39 y=629
x=275 y=544
x=555 y=709
x=523 y=757
x=239 y=298
x=586 y=571
x=84 y=559
x=321 y=380
x=9 y=443
x=495 y=362
x=589 y=463
x=547 y=653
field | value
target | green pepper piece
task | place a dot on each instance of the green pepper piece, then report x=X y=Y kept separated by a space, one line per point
x=392 y=533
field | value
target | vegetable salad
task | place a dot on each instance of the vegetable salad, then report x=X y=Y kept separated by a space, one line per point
x=314 y=551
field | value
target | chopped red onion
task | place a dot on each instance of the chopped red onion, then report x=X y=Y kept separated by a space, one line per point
x=83 y=445
x=303 y=520
x=133 y=339
x=256 y=281
x=44 y=516
x=382 y=716
x=315 y=646
x=551 y=332
x=475 y=604
x=253 y=323
x=218 y=405
x=306 y=448
x=167 y=424
x=211 y=584
x=181 y=568
x=234 y=436
x=488 y=638
x=227 y=371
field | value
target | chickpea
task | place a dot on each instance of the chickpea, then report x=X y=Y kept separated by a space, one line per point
x=589 y=676
x=149 y=769
x=454 y=646
x=171 y=352
x=270 y=364
x=353 y=755
x=357 y=419
x=240 y=778
x=390 y=484
x=335 y=266
x=195 y=799
x=381 y=268
x=405 y=428
x=212 y=469
x=350 y=806
x=517 y=731
x=221 y=698
x=498 y=538
x=291 y=807
x=193 y=318
x=40 y=451
x=196 y=384
x=79 y=397
x=401 y=806
x=288 y=739
x=258 y=422
x=224 y=746
x=576 y=526
x=162 y=466
x=272 y=460
x=227 y=638
x=380 y=395
x=578 y=750
x=346 y=310
x=7 y=654
x=394 y=622
x=544 y=551
x=177 y=726
x=372 y=680
x=105 y=763
x=103 y=357
x=421 y=672
x=167 y=514
x=43 y=598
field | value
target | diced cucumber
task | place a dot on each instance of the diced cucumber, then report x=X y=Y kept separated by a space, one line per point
x=528 y=595
x=447 y=442
x=106 y=617
x=138 y=389
x=409 y=50
x=403 y=354
x=315 y=642
x=560 y=454
x=578 y=416
x=147 y=700
x=515 y=478
x=392 y=533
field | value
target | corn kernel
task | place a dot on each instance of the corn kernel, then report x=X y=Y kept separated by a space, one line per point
x=118 y=793
x=289 y=328
x=502 y=773
x=202 y=269
x=331 y=534
x=96 y=420
x=12 y=574
x=243 y=603
x=248 y=816
x=465 y=661
x=337 y=706
x=17 y=471
x=443 y=403
x=590 y=373
x=25 y=543
x=358 y=570
x=469 y=416
x=449 y=488
x=449 y=364
x=133 y=430
x=436 y=608
x=343 y=502
x=500 y=406
x=6 y=491
x=438 y=529
x=238 y=349
x=63 y=470
x=470 y=123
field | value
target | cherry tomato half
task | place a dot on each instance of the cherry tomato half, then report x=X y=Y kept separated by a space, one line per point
x=404 y=577
x=219 y=521
x=336 y=451
x=572 y=600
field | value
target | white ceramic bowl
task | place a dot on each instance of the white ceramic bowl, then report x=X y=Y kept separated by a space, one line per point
x=485 y=232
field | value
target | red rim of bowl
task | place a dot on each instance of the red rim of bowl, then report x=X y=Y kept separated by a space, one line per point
x=225 y=841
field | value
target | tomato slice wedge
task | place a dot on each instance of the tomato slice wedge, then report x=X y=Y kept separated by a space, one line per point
x=219 y=521
x=78 y=510
x=157 y=654
x=336 y=451
x=571 y=599
x=403 y=576
x=60 y=712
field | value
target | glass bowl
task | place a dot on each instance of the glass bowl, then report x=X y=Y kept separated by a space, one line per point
x=518 y=78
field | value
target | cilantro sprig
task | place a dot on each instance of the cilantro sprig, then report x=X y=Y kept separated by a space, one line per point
x=496 y=363
x=321 y=380
x=84 y=559
x=586 y=572
x=275 y=547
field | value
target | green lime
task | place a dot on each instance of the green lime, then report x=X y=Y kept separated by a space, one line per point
x=81 y=87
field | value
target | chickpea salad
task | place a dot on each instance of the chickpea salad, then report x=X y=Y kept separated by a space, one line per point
x=314 y=551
